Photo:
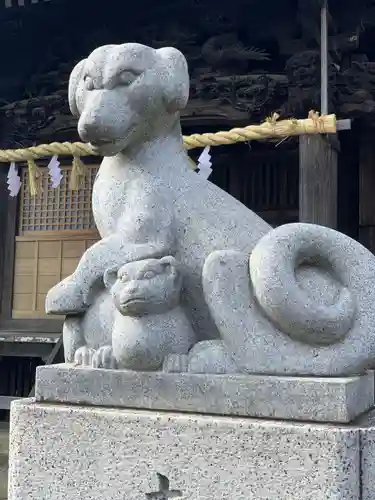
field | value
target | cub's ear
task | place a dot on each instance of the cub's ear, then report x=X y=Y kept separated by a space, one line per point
x=110 y=277
x=74 y=80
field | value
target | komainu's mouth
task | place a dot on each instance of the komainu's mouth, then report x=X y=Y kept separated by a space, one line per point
x=99 y=143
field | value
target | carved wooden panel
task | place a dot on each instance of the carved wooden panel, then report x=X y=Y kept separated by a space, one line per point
x=42 y=259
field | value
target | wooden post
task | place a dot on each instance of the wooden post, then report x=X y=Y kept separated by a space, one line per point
x=366 y=191
x=317 y=181
x=318 y=157
x=324 y=58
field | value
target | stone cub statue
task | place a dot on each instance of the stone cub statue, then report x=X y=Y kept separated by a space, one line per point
x=142 y=320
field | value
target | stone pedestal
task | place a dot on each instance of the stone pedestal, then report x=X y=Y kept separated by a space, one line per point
x=60 y=450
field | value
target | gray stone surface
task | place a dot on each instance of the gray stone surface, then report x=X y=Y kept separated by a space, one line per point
x=290 y=398
x=116 y=455
x=309 y=309
x=366 y=426
x=367 y=437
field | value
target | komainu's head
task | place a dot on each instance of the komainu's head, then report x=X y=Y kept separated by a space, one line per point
x=150 y=286
x=124 y=94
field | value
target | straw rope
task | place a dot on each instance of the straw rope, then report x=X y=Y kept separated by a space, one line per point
x=271 y=128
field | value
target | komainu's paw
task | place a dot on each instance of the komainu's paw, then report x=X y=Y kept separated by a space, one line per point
x=84 y=356
x=66 y=297
x=103 y=358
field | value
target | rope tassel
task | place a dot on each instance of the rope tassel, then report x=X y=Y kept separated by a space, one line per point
x=35 y=178
x=79 y=170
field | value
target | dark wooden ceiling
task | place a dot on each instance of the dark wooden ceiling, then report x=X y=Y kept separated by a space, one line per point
x=247 y=58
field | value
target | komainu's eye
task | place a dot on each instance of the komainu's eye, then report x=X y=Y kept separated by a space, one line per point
x=89 y=82
x=127 y=77
x=148 y=275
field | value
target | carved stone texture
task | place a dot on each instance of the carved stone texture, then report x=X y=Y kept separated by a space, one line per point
x=164 y=491
x=308 y=309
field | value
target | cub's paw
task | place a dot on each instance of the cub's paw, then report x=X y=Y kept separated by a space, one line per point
x=83 y=356
x=103 y=358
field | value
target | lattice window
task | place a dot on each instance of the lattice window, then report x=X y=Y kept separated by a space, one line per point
x=57 y=209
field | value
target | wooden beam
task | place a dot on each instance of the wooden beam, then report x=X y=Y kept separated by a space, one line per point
x=317 y=181
x=5 y=401
x=26 y=349
x=345 y=124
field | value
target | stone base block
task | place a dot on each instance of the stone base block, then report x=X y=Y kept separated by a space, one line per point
x=60 y=452
x=317 y=399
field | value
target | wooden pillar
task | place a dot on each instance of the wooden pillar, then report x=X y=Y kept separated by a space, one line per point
x=318 y=155
x=318 y=180
x=367 y=190
x=8 y=214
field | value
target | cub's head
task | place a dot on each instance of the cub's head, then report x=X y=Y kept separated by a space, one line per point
x=124 y=94
x=150 y=286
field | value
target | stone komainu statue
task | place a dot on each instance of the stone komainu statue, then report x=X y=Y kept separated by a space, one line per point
x=294 y=300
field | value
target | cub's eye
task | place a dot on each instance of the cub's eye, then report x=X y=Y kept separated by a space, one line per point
x=127 y=77
x=89 y=82
x=148 y=275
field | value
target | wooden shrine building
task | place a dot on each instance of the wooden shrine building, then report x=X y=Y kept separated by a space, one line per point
x=247 y=60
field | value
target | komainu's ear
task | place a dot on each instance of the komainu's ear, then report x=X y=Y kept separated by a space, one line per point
x=74 y=80
x=175 y=79
x=110 y=277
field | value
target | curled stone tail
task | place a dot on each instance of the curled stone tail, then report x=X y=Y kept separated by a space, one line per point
x=287 y=266
x=301 y=304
